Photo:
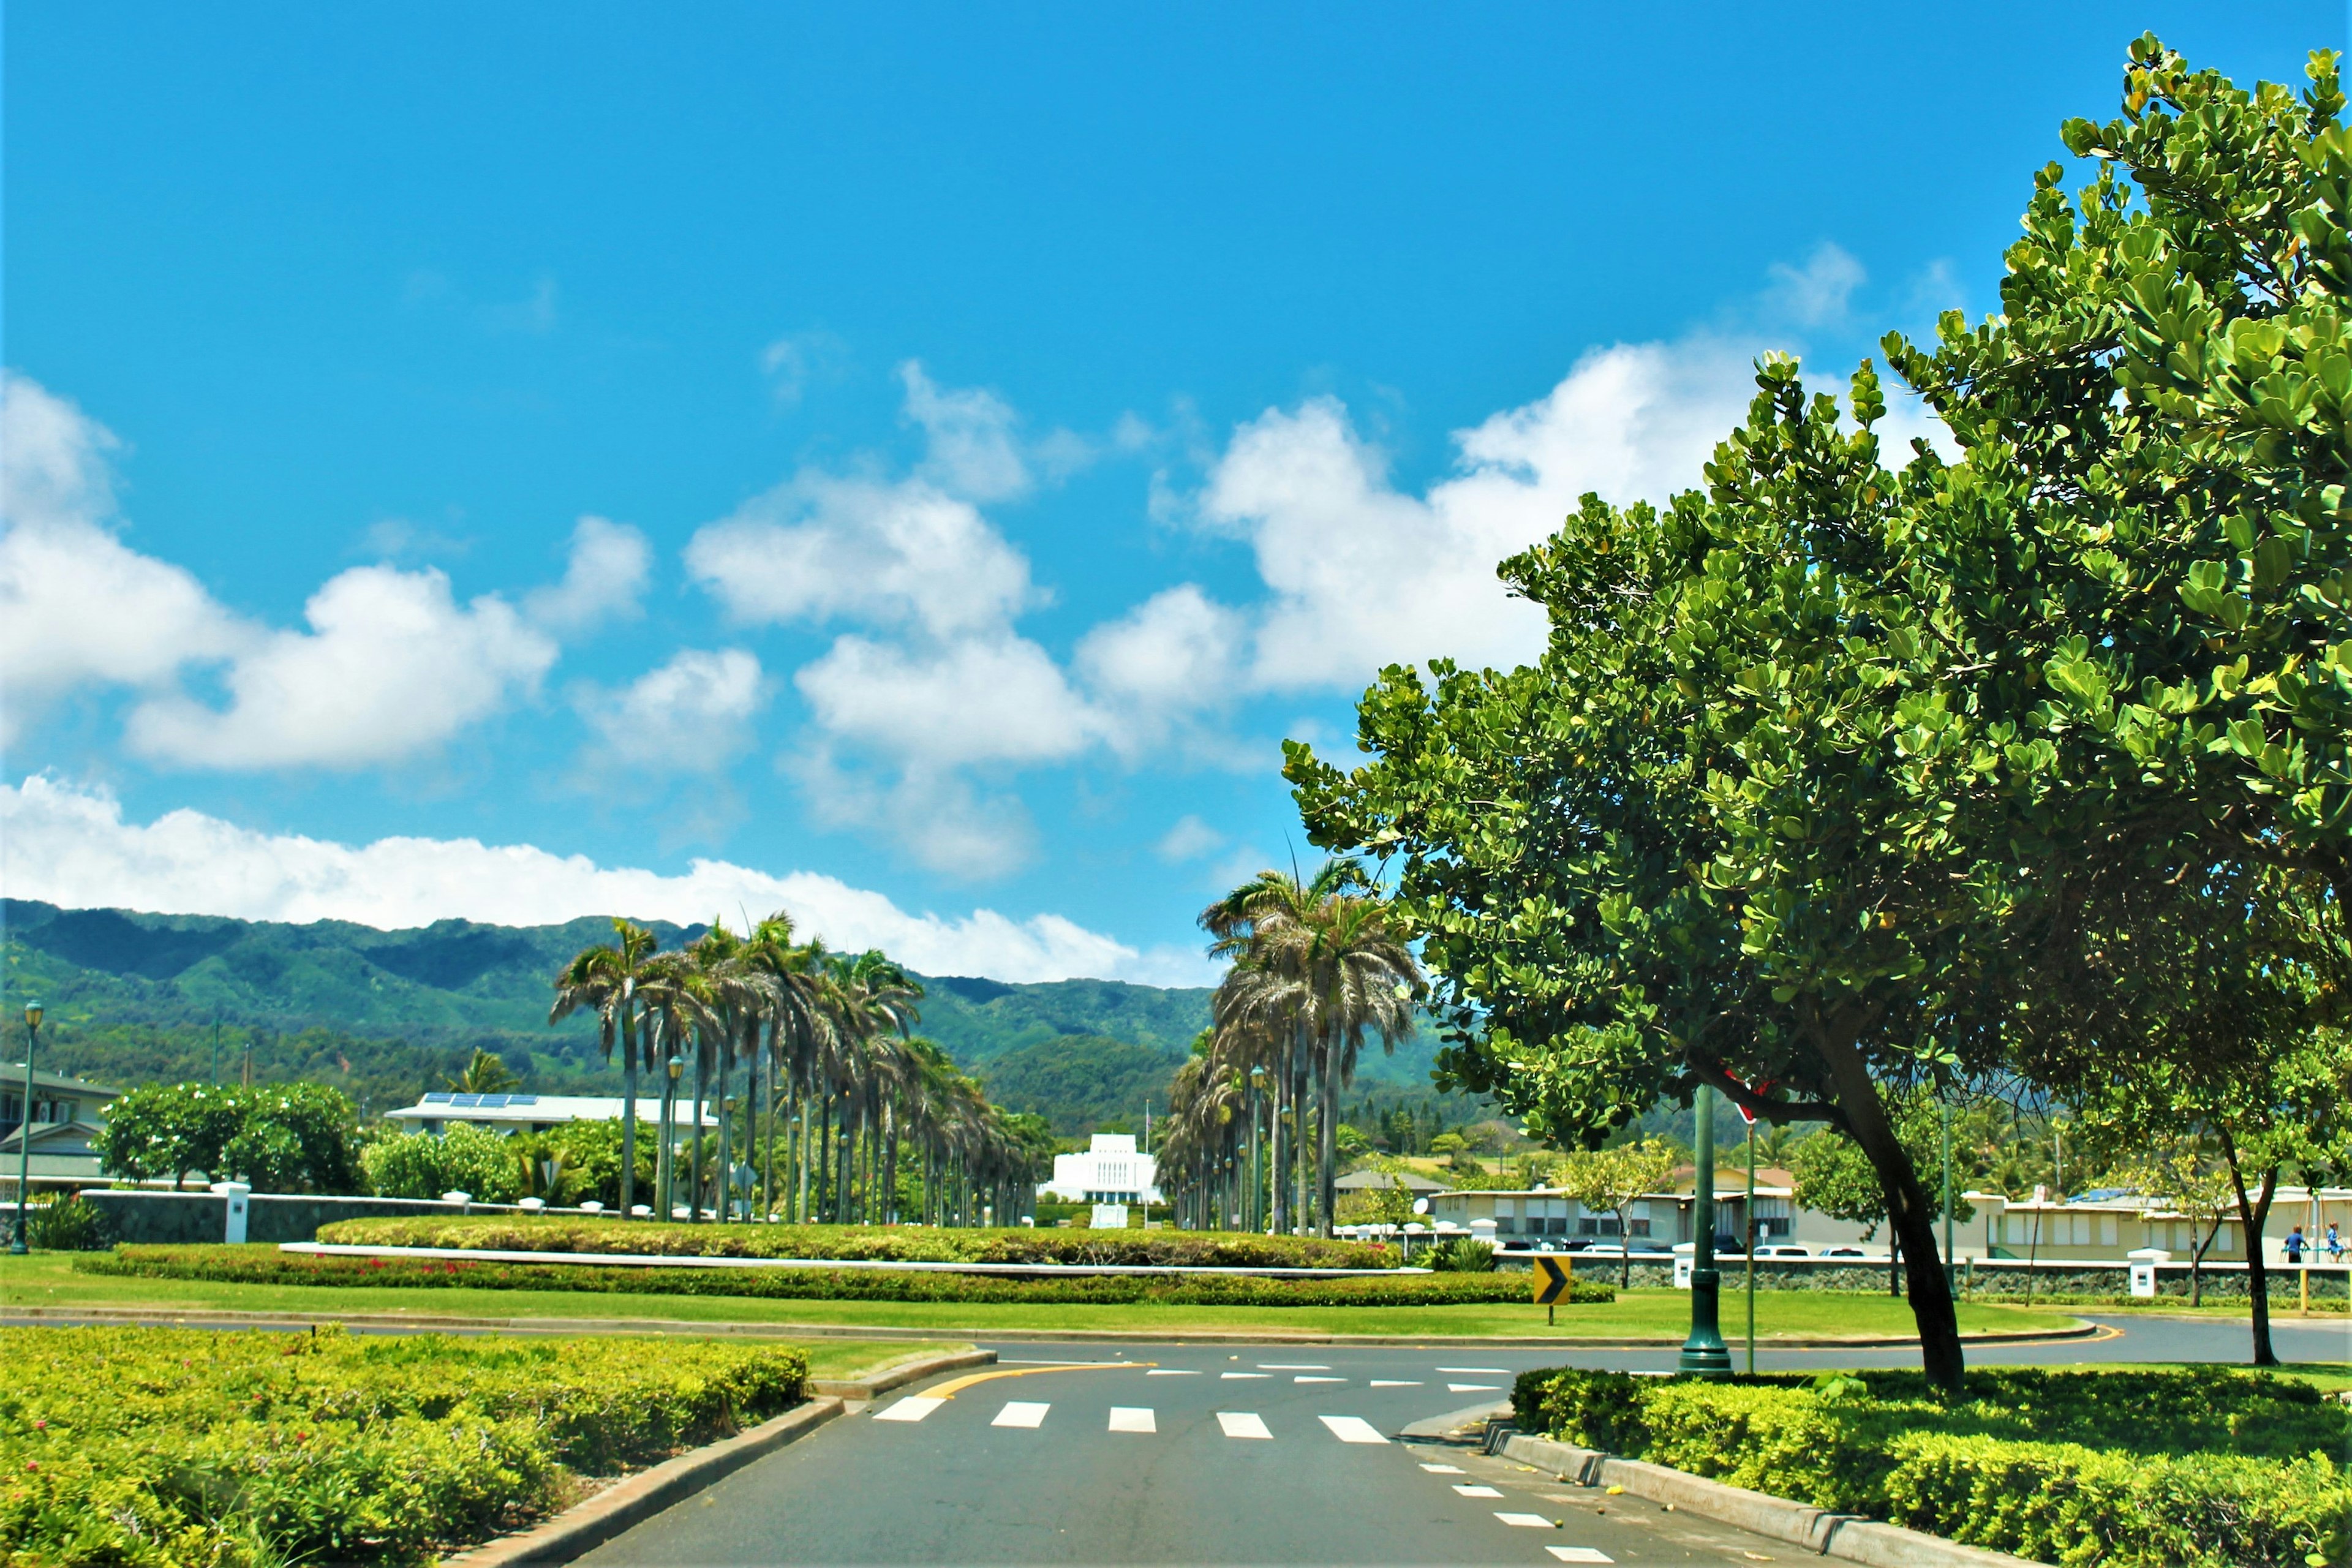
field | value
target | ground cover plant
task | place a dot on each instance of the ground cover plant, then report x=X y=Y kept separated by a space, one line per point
x=2140 y=1466
x=165 y=1446
x=897 y=1244
x=269 y=1265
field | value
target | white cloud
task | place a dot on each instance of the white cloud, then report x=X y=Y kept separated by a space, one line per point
x=1189 y=839
x=969 y=432
x=1363 y=574
x=1172 y=658
x=391 y=667
x=794 y=360
x=605 y=577
x=72 y=847
x=78 y=607
x=819 y=547
x=691 y=715
x=1815 y=295
x=976 y=699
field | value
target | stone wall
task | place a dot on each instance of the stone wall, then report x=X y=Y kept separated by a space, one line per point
x=143 y=1216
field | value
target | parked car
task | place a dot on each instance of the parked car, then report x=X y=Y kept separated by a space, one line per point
x=1843 y=1252
x=1784 y=1250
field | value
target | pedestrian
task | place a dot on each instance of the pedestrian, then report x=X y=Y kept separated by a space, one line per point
x=2294 y=1244
x=2335 y=1244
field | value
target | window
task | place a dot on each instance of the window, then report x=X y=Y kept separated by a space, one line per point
x=1641 y=1227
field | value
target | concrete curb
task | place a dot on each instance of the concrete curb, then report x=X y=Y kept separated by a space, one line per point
x=422 y=1323
x=900 y=1374
x=1842 y=1535
x=582 y=1529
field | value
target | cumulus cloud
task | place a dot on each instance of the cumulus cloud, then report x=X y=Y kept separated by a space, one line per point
x=1158 y=667
x=1816 y=294
x=796 y=359
x=975 y=699
x=1189 y=839
x=1362 y=574
x=692 y=714
x=821 y=547
x=73 y=847
x=78 y=607
x=391 y=666
x=603 y=578
x=969 y=435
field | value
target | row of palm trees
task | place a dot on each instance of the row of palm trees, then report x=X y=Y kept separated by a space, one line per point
x=1319 y=966
x=829 y=1066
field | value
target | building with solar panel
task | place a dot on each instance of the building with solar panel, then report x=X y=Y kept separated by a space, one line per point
x=532 y=1112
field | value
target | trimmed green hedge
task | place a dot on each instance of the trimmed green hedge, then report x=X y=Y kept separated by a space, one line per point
x=164 y=1448
x=267 y=1266
x=2130 y=1468
x=897 y=1244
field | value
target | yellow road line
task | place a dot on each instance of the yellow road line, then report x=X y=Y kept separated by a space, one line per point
x=950 y=1390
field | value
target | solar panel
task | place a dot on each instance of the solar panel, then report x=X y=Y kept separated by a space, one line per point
x=523 y=1099
x=466 y=1102
x=438 y=1097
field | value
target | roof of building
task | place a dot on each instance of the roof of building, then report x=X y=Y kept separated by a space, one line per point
x=12 y=1077
x=446 y=1106
x=51 y=1132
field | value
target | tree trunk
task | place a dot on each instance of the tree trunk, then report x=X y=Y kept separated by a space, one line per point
x=628 y=1119
x=726 y=1204
x=2253 y=1214
x=1326 y=1137
x=693 y=1169
x=1300 y=1062
x=1909 y=1214
x=1276 y=1196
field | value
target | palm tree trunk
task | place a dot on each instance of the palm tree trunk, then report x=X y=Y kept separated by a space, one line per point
x=1327 y=1133
x=701 y=1097
x=1277 y=1182
x=628 y=1116
x=726 y=1204
x=1299 y=1071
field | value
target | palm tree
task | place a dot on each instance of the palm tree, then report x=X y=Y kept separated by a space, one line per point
x=1316 y=966
x=484 y=1074
x=605 y=979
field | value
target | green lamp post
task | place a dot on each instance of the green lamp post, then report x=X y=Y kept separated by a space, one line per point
x=1704 y=1353
x=17 y=1248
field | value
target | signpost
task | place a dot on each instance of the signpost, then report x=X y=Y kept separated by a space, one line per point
x=1554 y=1278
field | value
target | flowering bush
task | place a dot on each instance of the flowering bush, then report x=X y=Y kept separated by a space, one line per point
x=155 y=1447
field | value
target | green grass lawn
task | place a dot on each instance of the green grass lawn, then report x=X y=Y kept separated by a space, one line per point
x=48 y=1280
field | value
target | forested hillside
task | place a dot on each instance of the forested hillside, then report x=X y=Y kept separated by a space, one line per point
x=384 y=1015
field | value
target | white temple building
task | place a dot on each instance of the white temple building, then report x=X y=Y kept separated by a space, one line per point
x=1111 y=1170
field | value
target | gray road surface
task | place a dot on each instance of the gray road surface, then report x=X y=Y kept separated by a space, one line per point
x=1157 y=1457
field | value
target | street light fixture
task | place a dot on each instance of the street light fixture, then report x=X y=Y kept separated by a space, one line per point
x=17 y=1248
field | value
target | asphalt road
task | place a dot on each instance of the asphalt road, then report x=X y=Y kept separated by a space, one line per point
x=1191 y=1453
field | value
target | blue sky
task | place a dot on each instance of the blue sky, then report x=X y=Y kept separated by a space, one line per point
x=910 y=465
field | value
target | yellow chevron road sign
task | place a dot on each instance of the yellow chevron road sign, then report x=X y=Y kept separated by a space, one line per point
x=1553 y=1275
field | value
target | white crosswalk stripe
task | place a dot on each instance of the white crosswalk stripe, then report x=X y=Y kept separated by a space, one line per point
x=1242 y=1424
x=1482 y=1370
x=1396 y=1383
x=1352 y=1429
x=1172 y=1371
x=1132 y=1418
x=1231 y=1376
x=1526 y=1520
x=1292 y=1366
x=1474 y=1388
x=1021 y=1413
x=914 y=1407
x=1477 y=1492
x=1444 y=1469
x=1311 y=1377
x=1579 y=1554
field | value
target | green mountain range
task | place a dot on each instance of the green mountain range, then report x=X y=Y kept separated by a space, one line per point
x=384 y=1015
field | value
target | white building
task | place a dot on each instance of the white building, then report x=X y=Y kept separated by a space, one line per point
x=1111 y=1170
x=534 y=1112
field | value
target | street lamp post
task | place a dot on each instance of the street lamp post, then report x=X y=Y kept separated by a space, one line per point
x=17 y=1248
x=1704 y=1353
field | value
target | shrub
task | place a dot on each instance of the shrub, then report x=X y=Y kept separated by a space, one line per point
x=467 y=1158
x=300 y=1137
x=163 y=1447
x=903 y=1244
x=261 y=1265
x=2134 y=1468
x=69 y=1225
x=1462 y=1255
